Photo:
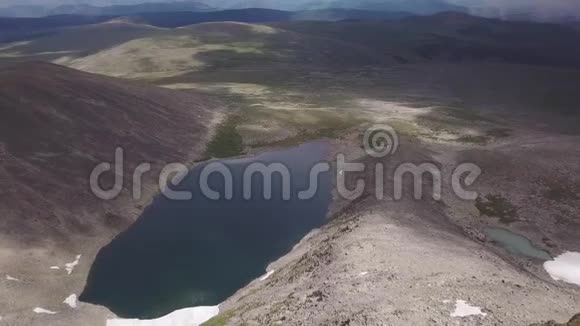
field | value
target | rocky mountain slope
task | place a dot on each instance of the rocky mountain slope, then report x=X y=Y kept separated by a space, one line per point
x=56 y=125
x=420 y=262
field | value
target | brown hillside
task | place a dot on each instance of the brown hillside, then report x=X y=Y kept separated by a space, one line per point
x=56 y=124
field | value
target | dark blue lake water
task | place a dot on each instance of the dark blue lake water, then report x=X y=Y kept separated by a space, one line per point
x=199 y=252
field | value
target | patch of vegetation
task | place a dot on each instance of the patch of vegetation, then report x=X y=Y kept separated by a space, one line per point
x=311 y=124
x=302 y=137
x=223 y=59
x=262 y=29
x=247 y=47
x=440 y=123
x=404 y=127
x=464 y=114
x=473 y=139
x=454 y=121
x=221 y=319
x=575 y=321
x=499 y=132
x=227 y=142
x=276 y=309
x=333 y=126
x=559 y=191
x=497 y=206
x=487 y=138
x=146 y=64
x=418 y=104
x=232 y=54
x=317 y=295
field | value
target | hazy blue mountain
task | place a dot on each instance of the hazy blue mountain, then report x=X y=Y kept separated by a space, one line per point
x=24 y=11
x=22 y=24
x=425 y=7
x=336 y=14
x=413 y=6
x=178 y=19
x=150 y=7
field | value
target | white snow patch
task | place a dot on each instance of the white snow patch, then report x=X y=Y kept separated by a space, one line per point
x=565 y=267
x=363 y=273
x=184 y=317
x=10 y=278
x=267 y=275
x=463 y=309
x=54 y=267
x=446 y=301
x=71 y=266
x=71 y=300
x=39 y=310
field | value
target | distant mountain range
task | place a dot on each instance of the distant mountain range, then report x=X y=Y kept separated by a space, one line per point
x=24 y=11
x=84 y=9
x=15 y=29
x=412 y=6
x=177 y=14
x=417 y=7
x=422 y=7
x=178 y=19
x=446 y=37
x=91 y=10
